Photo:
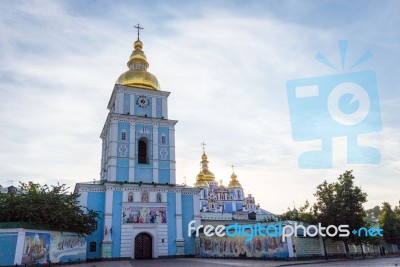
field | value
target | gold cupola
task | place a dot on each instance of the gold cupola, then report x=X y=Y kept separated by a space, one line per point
x=137 y=75
x=234 y=183
x=205 y=174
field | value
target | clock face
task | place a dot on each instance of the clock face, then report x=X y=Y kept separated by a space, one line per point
x=142 y=102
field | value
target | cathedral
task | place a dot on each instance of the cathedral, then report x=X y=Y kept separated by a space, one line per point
x=225 y=203
x=144 y=213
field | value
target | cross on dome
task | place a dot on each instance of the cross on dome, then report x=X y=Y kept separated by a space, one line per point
x=138 y=27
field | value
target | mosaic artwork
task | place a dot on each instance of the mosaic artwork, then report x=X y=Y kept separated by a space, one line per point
x=41 y=248
x=268 y=247
x=144 y=215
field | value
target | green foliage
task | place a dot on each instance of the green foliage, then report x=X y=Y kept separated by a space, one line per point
x=303 y=214
x=341 y=203
x=389 y=220
x=373 y=213
x=54 y=208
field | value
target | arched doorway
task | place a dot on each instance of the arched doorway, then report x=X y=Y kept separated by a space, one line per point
x=143 y=246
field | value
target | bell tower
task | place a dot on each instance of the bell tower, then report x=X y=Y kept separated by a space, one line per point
x=138 y=139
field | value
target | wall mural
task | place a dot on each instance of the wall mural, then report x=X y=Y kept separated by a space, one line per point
x=144 y=215
x=40 y=248
x=237 y=246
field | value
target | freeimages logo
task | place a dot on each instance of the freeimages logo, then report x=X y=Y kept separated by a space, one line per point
x=345 y=104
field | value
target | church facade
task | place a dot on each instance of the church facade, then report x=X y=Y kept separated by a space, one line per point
x=143 y=212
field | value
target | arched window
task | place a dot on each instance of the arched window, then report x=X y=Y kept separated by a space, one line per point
x=145 y=196
x=159 y=197
x=143 y=157
x=130 y=197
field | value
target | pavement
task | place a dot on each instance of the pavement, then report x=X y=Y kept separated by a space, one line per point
x=205 y=262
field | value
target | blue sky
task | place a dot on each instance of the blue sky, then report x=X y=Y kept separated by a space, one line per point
x=225 y=63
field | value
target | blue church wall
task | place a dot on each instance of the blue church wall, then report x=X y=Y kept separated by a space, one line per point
x=163 y=173
x=228 y=207
x=123 y=150
x=122 y=170
x=8 y=244
x=187 y=216
x=127 y=100
x=96 y=202
x=239 y=206
x=116 y=223
x=141 y=111
x=158 y=107
x=171 y=215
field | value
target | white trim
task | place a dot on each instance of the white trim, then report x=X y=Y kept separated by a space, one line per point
x=178 y=200
x=132 y=105
x=132 y=152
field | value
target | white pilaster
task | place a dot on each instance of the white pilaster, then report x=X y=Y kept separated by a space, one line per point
x=172 y=155
x=164 y=108
x=289 y=241
x=178 y=200
x=155 y=151
x=132 y=104
x=19 y=248
x=179 y=241
x=119 y=105
x=132 y=151
x=153 y=107
x=108 y=215
x=112 y=159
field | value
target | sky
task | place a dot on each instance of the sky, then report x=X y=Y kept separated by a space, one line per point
x=226 y=64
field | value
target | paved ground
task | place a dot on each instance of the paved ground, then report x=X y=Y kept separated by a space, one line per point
x=201 y=262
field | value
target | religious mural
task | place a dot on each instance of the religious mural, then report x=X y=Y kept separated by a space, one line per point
x=144 y=214
x=41 y=248
x=259 y=246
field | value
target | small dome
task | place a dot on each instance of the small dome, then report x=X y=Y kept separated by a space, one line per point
x=200 y=182
x=137 y=75
x=234 y=183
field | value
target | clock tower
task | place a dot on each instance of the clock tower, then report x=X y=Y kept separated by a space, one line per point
x=138 y=139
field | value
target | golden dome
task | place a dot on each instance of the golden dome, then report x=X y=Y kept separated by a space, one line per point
x=137 y=75
x=207 y=174
x=234 y=183
x=200 y=181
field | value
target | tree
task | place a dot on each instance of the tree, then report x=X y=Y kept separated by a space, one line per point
x=389 y=220
x=373 y=213
x=303 y=214
x=341 y=203
x=51 y=208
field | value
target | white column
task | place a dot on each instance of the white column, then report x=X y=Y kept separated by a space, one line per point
x=108 y=214
x=119 y=105
x=155 y=152
x=153 y=107
x=164 y=112
x=289 y=241
x=112 y=161
x=132 y=151
x=172 y=155
x=19 y=247
x=178 y=199
x=179 y=241
x=132 y=105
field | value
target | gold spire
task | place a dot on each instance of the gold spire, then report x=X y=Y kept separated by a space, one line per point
x=205 y=174
x=137 y=75
x=208 y=175
x=234 y=183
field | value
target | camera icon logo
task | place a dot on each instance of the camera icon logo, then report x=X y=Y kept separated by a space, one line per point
x=324 y=107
